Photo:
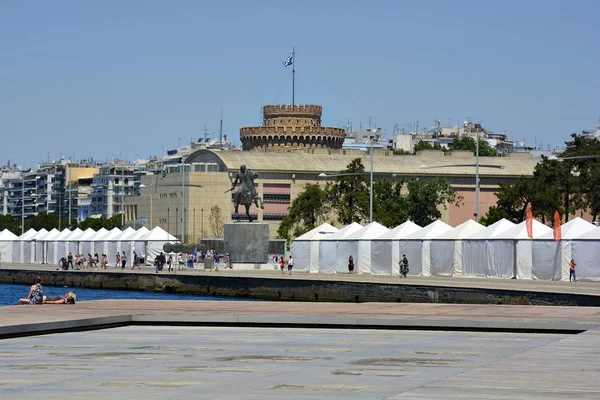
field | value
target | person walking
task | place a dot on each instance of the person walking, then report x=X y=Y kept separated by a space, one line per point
x=70 y=261
x=290 y=264
x=572 y=265
x=228 y=261
x=180 y=263
x=217 y=259
x=275 y=261
x=350 y=264
x=170 y=264
x=403 y=266
x=123 y=260
x=118 y=262
x=281 y=265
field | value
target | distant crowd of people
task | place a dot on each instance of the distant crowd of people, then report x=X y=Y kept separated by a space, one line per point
x=188 y=261
x=80 y=261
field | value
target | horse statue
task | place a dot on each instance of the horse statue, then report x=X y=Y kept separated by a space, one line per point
x=246 y=193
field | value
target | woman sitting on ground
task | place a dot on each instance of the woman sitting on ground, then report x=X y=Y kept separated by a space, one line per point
x=36 y=293
x=68 y=298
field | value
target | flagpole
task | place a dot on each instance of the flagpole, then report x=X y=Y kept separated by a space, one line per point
x=293 y=73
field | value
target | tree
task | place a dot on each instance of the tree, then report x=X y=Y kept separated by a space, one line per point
x=425 y=196
x=215 y=220
x=99 y=223
x=468 y=143
x=308 y=210
x=420 y=204
x=421 y=145
x=42 y=221
x=349 y=195
x=389 y=204
x=11 y=223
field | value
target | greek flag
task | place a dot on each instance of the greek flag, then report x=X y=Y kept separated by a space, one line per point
x=288 y=61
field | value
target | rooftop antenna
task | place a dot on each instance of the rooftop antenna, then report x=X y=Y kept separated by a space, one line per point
x=221 y=128
x=360 y=124
x=369 y=122
x=449 y=122
x=205 y=133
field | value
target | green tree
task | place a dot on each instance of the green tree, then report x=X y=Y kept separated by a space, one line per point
x=468 y=143
x=349 y=195
x=11 y=223
x=215 y=220
x=308 y=210
x=389 y=204
x=425 y=196
x=42 y=221
x=421 y=145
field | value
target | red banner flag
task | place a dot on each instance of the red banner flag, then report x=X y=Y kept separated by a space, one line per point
x=557 y=233
x=529 y=222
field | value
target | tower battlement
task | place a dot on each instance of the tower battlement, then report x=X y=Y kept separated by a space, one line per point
x=288 y=127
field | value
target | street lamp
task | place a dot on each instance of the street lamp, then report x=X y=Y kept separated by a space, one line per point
x=477 y=166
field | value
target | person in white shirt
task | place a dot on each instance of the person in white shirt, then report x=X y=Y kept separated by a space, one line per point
x=290 y=264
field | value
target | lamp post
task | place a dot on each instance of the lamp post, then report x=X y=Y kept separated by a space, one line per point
x=182 y=203
x=22 y=204
x=371 y=187
x=477 y=177
x=122 y=196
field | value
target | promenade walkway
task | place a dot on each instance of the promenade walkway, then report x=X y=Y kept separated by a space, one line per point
x=582 y=287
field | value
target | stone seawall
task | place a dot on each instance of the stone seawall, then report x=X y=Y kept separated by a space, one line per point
x=298 y=289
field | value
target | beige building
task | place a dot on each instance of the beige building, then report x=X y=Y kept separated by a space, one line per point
x=282 y=175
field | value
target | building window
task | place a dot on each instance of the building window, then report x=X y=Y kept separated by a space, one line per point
x=273 y=217
x=276 y=198
x=243 y=216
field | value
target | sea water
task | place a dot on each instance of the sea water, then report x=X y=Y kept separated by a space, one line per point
x=10 y=294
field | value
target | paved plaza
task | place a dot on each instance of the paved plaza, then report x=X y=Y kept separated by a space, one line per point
x=249 y=363
x=394 y=351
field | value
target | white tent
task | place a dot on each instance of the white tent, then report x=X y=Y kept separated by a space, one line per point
x=57 y=247
x=123 y=243
x=110 y=245
x=86 y=246
x=489 y=253
x=334 y=252
x=41 y=257
x=7 y=242
x=135 y=243
x=363 y=238
x=35 y=249
x=416 y=247
x=385 y=250
x=73 y=241
x=446 y=249
x=550 y=258
x=523 y=245
x=585 y=250
x=19 y=247
x=154 y=241
x=305 y=248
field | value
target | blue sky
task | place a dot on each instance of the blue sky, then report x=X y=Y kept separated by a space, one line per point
x=109 y=79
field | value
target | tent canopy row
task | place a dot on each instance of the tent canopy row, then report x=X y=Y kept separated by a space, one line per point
x=501 y=250
x=48 y=247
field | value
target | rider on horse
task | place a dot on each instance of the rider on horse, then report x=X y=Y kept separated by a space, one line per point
x=246 y=193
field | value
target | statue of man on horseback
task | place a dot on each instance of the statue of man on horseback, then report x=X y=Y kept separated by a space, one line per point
x=246 y=194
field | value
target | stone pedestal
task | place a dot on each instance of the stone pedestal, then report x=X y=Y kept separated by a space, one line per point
x=247 y=242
